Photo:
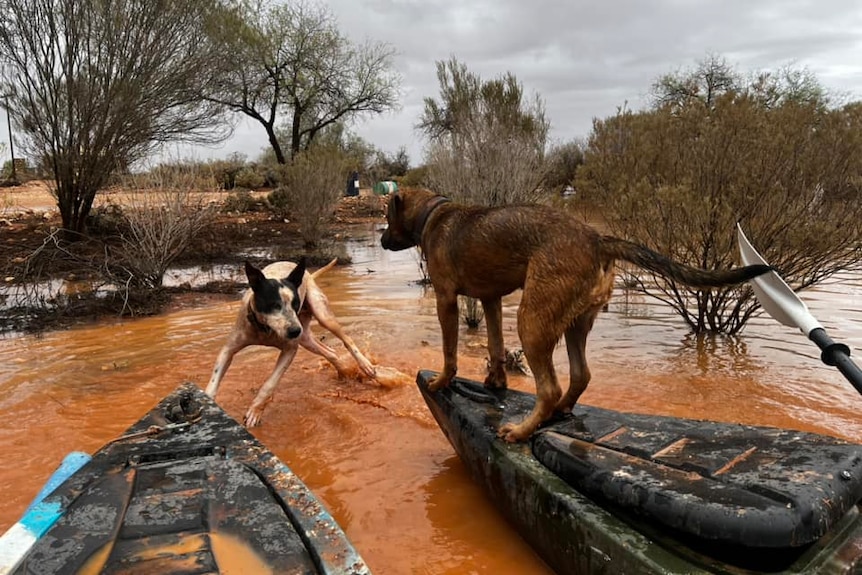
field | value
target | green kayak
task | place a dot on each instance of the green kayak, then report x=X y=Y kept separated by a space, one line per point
x=601 y=491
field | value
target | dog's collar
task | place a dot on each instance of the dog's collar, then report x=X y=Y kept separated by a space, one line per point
x=429 y=208
x=258 y=325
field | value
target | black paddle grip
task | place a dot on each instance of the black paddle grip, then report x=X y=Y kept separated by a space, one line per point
x=837 y=355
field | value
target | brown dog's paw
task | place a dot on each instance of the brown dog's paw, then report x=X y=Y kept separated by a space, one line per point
x=439 y=382
x=564 y=406
x=514 y=433
x=496 y=380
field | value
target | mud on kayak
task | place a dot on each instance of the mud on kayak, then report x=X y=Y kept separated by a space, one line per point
x=186 y=490
x=601 y=491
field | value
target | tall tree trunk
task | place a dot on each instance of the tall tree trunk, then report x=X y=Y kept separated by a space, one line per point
x=74 y=205
x=295 y=130
x=273 y=141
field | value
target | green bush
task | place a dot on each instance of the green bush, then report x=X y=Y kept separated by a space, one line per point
x=240 y=202
x=775 y=154
x=279 y=201
x=414 y=178
x=250 y=177
x=226 y=171
x=313 y=183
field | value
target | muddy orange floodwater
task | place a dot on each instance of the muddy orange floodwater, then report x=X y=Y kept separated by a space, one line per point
x=373 y=453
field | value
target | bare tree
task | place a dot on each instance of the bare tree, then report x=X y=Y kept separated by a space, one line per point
x=712 y=77
x=771 y=153
x=166 y=209
x=94 y=86
x=487 y=141
x=289 y=62
x=384 y=166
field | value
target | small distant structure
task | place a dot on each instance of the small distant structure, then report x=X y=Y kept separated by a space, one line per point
x=15 y=172
x=352 y=184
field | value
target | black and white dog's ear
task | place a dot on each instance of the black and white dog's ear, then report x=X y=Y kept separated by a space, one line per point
x=254 y=275
x=297 y=273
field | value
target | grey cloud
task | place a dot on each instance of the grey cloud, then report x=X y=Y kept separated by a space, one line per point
x=586 y=58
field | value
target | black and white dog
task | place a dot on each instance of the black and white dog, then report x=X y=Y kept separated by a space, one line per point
x=276 y=312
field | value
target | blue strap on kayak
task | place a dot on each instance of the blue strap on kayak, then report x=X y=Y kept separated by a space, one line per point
x=40 y=515
x=71 y=463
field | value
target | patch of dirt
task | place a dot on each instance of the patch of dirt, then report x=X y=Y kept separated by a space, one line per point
x=33 y=195
x=29 y=221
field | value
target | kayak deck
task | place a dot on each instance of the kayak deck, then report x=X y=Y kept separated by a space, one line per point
x=188 y=490
x=659 y=494
x=762 y=487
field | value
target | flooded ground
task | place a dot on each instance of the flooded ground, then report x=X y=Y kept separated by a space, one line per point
x=373 y=454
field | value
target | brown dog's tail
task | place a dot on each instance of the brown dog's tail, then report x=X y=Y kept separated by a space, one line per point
x=325 y=268
x=646 y=258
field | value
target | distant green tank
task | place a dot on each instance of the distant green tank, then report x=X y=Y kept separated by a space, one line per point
x=385 y=188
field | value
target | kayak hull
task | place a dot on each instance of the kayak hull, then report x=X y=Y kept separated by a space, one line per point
x=575 y=532
x=188 y=490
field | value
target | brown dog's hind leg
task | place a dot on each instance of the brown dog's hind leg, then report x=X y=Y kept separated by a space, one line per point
x=579 y=372
x=539 y=328
x=496 y=378
x=548 y=393
x=576 y=333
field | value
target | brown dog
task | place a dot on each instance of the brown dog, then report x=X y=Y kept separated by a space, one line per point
x=566 y=271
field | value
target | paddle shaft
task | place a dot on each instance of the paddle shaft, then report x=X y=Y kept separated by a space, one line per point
x=837 y=355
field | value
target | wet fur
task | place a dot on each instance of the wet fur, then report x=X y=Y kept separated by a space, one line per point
x=564 y=267
x=276 y=311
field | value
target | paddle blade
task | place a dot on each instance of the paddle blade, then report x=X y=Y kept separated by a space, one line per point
x=774 y=294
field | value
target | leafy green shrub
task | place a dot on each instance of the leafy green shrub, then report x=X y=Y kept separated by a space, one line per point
x=775 y=154
x=225 y=171
x=250 y=177
x=240 y=202
x=414 y=178
x=279 y=202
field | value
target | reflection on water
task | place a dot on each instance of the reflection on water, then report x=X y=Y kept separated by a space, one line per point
x=374 y=455
x=54 y=292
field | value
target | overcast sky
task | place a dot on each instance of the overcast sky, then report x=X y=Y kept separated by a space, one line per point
x=586 y=58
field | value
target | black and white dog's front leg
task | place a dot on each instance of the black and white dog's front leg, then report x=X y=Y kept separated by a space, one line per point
x=255 y=411
x=225 y=357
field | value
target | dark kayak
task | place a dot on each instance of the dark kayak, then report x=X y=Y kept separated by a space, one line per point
x=602 y=491
x=185 y=490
